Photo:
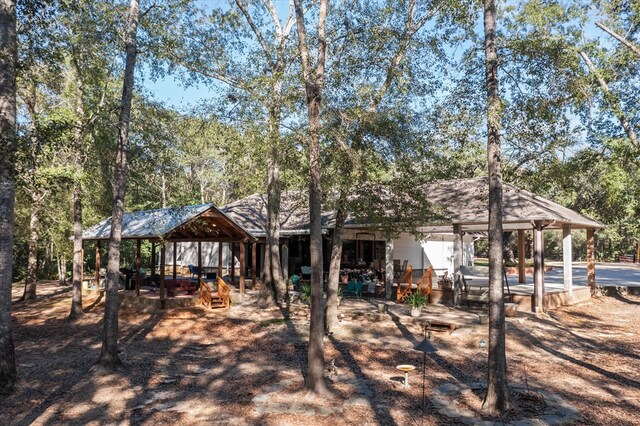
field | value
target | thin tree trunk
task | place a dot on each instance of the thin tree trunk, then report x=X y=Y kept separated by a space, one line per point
x=32 y=260
x=76 y=297
x=315 y=381
x=611 y=99
x=620 y=38
x=164 y=191
x=8 y=55
x=334 y=265
x=109 y=358
x=497 y=399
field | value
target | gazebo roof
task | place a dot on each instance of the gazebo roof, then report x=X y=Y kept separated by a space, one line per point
x=204 y=222
x=466 y=202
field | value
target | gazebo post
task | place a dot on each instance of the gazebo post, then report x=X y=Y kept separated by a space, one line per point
x=153 y=257
x=538 y=273
x=233 y=261
x=220 y=259
x=175 y=257
x=254 y=264
x=521 y=257
x=98 y=247
x=243 y=249
x=162 y=284
x=388 y=255
x=457 y=262
x=567 y=258
x=138 y=249
x=591 y=260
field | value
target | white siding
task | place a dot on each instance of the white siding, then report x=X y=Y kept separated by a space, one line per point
x=434 y=250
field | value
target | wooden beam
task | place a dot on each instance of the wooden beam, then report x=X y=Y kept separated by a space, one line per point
x=243 y=249
x=162 y=287
x=199 y=259
x=254 y=264
x=138 y=276
x=591 y=260
x=175 y=257
x=220 y=259
x=457 y=263
x=233 y=262
x=153 y=258
x=98 y=248
x=521 y=257
x=567 y=260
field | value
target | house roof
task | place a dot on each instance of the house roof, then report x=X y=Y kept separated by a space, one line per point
x=198 y=222
x=466 y=202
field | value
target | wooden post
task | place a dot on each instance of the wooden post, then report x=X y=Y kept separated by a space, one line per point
x=285 y=260
x=254 y=264
x=567 y=258
x=153 y=258
x=98 y=248
x=162 y=285
x=82 y=266
x=199 y=260
x=538 y=273
x=457 y=262
x=175 y=257
x=138 y=277
x=220 y=260
x=243 y=249
x=388 y=251
x=591 y=260
x=521 y=257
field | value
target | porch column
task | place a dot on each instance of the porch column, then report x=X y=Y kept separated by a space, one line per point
x=285 y=259
x=567 y=258
x=233 y=262
x=388 y=256
x=521 y=257
x=220 y=259
x=243 y=249
x=138 y=277
x=457 y=262
x=199 y=260
x=254 y=264
x=98 y=248
x=538 y=273
x=175 y=257
x=162 y=261
x=591 y=260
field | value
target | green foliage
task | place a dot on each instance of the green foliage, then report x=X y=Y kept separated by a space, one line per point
x=305 y=293
x=416 y=300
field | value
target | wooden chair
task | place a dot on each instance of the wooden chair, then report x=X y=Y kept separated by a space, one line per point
x=404 y=285
x=218 y=299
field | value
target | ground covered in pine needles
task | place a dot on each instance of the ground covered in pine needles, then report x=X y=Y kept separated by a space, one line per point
x=194 y=366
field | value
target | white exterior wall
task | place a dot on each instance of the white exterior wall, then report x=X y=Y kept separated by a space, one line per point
x=187 y=254
x=434 y=250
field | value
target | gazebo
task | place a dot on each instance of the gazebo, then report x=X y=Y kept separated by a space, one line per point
x=198 y=223
x=465 y=205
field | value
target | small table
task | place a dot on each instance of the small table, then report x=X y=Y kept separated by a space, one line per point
x=406 y=368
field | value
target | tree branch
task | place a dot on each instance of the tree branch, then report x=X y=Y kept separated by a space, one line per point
x=620 y=38
x=256 y=31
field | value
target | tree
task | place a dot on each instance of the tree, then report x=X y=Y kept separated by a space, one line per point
x=497 y=399
x=8 y=55
x=313 y=82
x=109 y=357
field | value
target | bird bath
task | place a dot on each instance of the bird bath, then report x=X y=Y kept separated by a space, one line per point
x=405 y=368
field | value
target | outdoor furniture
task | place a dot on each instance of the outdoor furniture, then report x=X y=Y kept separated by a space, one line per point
x=405 y=287
x=354 y=287
x=425 y=283
x=179 y=284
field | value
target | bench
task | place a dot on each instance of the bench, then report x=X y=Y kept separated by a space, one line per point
x=627 y=258
x=185 y=285
x=218 y=299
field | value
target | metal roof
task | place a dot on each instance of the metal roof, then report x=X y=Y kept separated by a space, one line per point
x=173 y=222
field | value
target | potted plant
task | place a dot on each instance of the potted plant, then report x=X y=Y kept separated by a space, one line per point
x=416 y=301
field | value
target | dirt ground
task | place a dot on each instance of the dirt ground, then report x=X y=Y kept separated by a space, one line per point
x=193 y=366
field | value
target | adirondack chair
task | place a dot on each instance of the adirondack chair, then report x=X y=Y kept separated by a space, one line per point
x=405 y=285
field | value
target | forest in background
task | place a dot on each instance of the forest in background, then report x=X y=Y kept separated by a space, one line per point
x=569 y=86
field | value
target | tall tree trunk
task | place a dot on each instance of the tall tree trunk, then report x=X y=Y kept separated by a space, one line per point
x=32 y=260
x=497 y=399
x=635 y=49
x=273 y=288
x=334 y=265
x=8 y=55
x=109 y=358
x=76 y=297
x=315 y=381
x=612 y=100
